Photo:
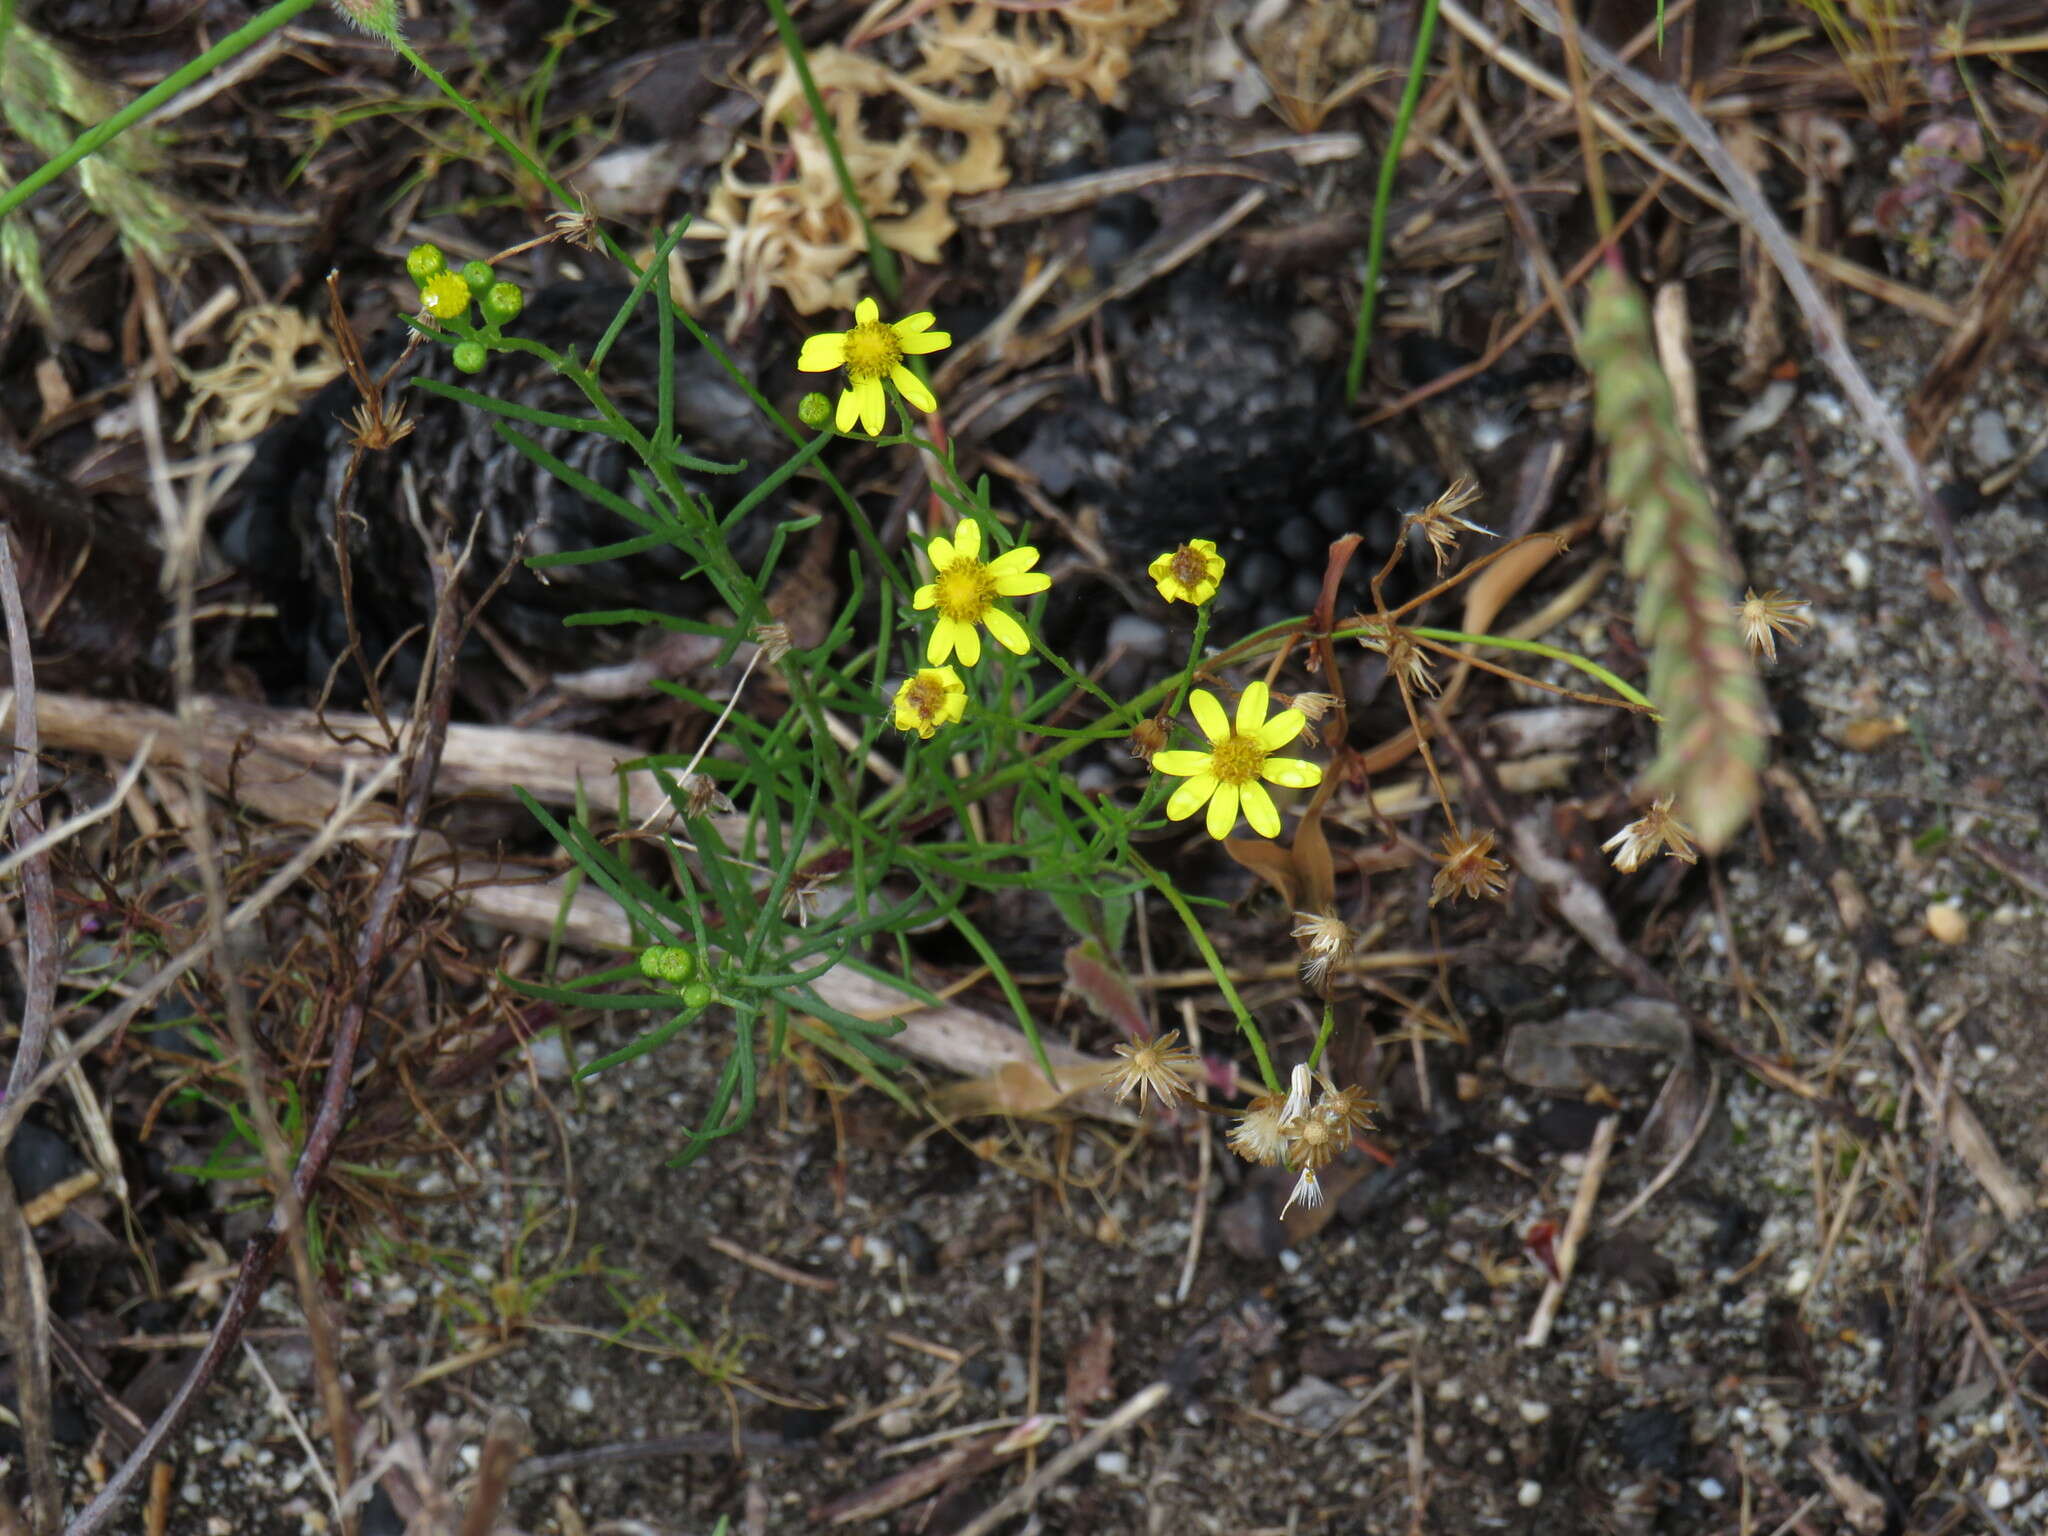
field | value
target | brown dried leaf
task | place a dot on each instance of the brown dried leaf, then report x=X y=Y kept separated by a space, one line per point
x=1096 y=978
x=1088 y=1371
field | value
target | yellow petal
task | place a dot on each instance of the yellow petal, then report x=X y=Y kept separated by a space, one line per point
x=1209 y=715
x=1222 y=811
x=941 y=550
x=1291 y=772
x=1022 y=558
x=913 y=388
x=967 y=538
x=926 y=596
x=966 y=640
x=1251 y=709
x=910 y=325
x=930 y=341
x=874 y=406
x=1008 y=632
x=940 y=645
x=848 y=412
x=1022 y=586
x=1259 y=810
x=1281 y=729
x=866 y=312
x=1181 y=763
x=823 y=353
x=1160 y=569
x=1189 y=797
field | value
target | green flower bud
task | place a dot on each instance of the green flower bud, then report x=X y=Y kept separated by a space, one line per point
x=479 y=276
x=470 y=356
x=814 y=410
x=445 y=296
x=423 y=262
x=697 y=996
x=502 y=303
x=668 y=962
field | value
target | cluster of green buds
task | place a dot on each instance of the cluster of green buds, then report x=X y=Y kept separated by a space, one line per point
x=447 y=293
x=674 y=966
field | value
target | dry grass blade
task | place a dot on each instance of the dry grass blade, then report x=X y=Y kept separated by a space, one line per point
x=1701 y=679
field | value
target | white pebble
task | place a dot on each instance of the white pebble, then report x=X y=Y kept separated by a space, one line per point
x=1532 y=1412
x=1710 y=1488
x=1998 y=1495
x=581 y=1400
x=1113 y=1464
x=1857 y=565
x=1795 y=934
x=1290 y=1261
x=1530 y=1494
x=1800 y=1278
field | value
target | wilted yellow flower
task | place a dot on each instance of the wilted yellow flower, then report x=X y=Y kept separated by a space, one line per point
x=964 y=589
x=1161 y=1064
x=1226 y=777
x=1469 y=869
x=1765 y=618
x=1147 y=737
x=871 y=352
x=928 y=699
x=1638 y=842
x=1189 y=574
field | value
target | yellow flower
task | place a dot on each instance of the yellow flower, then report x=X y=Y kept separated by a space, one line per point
x=871 y=352
x=964 y=589
x=1227 y=775
x=445 y=296
x=929 y=699
x=1189 y=574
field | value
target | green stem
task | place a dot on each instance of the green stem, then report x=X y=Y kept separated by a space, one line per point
x=1383 y=197
x=101 y=134
x=1214 y=961
x=1591 y=668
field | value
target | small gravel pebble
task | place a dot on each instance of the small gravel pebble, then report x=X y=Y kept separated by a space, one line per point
x=1530 y=1494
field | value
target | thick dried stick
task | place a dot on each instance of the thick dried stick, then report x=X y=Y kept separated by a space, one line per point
x=27 y=1313
x=1966 y=1132
x=1575 y=1225
x=1019 y=1498
x=374 y=943
x=1987 y=315
x=1830 y=345
x=39 y=900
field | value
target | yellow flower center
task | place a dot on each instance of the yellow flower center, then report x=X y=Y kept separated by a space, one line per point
x=1237 y=760
x=872 y=352
x=926 y=696
x=1190 y=566
x=966 y=591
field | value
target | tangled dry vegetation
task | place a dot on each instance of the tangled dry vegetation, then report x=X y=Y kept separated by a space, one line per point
x=1701 y=1199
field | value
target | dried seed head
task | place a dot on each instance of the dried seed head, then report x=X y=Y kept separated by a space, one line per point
x=578 y=228
x=774 y=641
x=1147 y=737
x=1764 y=618
x=1407 y=662
x=1161 y=1064
x=1350 y=1107
x=1639 y=841
x=1314 y=1140
x=1256 y=1137
x=1308 y=1192
x=1325 y=942
x=1439 y=521
x=1469 y=869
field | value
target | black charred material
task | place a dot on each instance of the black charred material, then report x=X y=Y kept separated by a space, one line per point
x=280 y=533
